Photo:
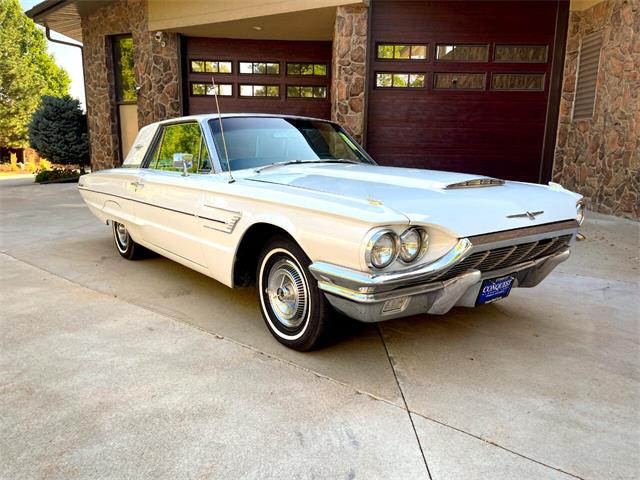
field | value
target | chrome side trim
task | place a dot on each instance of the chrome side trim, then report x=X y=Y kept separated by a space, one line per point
x=526 y=234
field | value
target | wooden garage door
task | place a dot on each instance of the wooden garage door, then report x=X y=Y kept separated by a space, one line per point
x=464 y=86
x=258 y=76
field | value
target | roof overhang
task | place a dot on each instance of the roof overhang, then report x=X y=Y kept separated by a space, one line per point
x=249 y=19
x=65 y=16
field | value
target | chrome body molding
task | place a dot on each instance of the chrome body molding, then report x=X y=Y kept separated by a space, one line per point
x=223 y=220
x=439 y=297
x=476 y=183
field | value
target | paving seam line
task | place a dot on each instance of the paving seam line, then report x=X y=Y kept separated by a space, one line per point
x=406 y=407
x=300 y=367
x=497 y=445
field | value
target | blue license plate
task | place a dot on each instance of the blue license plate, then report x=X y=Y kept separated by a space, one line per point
x=494 y=289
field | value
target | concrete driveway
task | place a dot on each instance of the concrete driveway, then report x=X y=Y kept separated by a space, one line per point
x=117 y=369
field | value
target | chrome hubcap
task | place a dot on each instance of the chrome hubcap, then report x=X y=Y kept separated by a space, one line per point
x=287 y=293
x=121 y=233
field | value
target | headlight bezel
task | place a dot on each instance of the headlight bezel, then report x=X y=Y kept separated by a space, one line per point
x=424 y=244
x=580 y=212
x=371 y=242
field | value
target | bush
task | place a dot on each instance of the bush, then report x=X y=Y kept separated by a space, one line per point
x=56 y=174
x=58 y=131
x=45 y=164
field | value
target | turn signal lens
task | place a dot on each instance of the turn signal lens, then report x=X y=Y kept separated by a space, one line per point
x=382 y=249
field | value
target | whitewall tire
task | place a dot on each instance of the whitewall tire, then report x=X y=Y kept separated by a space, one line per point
x=293 y=307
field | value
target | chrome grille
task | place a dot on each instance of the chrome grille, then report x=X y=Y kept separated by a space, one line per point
x=505 y=257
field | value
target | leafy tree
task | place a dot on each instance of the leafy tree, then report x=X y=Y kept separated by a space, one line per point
x=27 y=72
x=58 y=131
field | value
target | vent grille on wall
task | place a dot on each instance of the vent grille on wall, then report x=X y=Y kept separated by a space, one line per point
x=588 y=62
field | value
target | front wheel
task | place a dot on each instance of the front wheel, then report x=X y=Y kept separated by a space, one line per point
x=293 y=307
x=125 y=244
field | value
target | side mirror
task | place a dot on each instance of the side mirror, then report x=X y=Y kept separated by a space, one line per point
x=183 y=161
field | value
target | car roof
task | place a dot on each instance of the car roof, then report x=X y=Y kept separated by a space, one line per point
x=213 y=116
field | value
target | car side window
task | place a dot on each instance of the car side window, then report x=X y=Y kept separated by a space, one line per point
x=179 y=141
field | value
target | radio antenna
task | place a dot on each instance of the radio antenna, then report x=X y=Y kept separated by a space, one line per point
x=224 y=143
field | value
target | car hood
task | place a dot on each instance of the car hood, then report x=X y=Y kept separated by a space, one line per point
x=423 y=197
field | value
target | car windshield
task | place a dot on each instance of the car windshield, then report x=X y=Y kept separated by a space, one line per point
x=255 y=142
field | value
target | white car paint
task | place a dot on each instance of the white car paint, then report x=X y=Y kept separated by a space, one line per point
x=199 y=220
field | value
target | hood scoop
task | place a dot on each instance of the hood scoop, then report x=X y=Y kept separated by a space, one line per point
x=476 y=183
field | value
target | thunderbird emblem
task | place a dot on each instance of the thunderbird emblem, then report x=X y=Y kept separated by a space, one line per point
x=529 y=215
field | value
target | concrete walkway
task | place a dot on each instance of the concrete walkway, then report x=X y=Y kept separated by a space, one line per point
x=116 y=369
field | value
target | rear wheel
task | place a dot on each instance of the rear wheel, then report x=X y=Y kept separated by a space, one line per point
x=293 y=307
x=125 y=244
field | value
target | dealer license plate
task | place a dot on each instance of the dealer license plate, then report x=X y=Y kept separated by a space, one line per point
x=494 y=289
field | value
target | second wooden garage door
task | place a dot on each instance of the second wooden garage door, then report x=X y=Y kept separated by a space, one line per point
x=462 y=86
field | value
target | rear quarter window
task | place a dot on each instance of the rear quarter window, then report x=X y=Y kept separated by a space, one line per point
x=140 y=146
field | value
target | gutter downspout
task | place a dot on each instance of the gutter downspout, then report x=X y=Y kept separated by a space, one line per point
x=47 y=32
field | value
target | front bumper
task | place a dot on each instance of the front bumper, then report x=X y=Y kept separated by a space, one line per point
x=373 y=298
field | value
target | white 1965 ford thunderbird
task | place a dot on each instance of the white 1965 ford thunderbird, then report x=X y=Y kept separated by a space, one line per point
x=297 y=207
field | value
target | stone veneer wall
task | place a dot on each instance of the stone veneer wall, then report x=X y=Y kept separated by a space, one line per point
x=157 y=75
x=349 y=69
x=600 y=158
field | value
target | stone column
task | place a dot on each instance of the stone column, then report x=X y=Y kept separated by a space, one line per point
x=600 y=157
x=157 y=69
x=349 y=67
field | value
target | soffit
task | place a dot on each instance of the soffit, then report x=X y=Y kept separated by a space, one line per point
x=65 y=16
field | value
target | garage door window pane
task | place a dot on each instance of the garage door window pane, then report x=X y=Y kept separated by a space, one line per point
x=517 y=81
x=320 y=69
x=459 y=81
x=293 y=69
x=416 y=80
x=222 y=89
x=384 y=80
x=385 y=52
x=197 y=66
x=224 y=67
x=198 y=89
x=521 y=53
x=246 y=67
x=402 y=52
x=319 y=92
x=259 y=91
x=293 y=92
x=418 y=52
x=462 y=53
x=400 y=80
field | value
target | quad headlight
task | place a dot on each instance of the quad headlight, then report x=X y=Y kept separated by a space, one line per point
x=413 y=244
x=385 y=246
x=580 y=212
x=382 y=249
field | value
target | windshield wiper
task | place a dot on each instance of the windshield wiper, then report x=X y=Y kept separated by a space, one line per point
x=293 y=162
